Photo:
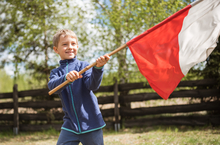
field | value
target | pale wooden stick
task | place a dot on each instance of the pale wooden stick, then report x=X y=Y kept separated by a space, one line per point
x=85 y=69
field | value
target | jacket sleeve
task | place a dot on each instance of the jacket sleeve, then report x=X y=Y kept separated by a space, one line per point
x=93 y=78
x=56 y=80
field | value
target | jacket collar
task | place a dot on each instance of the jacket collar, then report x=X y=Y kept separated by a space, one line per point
x=63 y=62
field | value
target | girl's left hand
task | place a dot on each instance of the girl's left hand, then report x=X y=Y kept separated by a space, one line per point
x=102 y=60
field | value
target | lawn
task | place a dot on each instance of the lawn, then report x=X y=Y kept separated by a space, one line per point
x=158 y=135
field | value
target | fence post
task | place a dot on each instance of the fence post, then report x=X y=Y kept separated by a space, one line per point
x=15 y=104
x=116 y=110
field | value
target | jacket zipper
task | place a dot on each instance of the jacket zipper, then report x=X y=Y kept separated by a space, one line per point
x=73 y=101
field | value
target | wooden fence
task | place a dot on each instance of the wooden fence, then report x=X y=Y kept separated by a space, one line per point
x=119 y=114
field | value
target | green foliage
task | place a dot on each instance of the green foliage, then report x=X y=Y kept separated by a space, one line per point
x=24 y=81
x=26 y=32
x=210 y=68
x=134 y=76
x=6 y=82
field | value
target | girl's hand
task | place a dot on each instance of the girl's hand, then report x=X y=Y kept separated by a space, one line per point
x=102 y=60
x=73 y=75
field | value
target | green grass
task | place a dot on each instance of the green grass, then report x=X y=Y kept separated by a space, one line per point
x=157 y=135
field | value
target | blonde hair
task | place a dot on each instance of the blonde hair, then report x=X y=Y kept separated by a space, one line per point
x=65 y=32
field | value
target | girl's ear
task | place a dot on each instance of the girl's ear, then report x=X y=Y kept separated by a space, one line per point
x=55 y=49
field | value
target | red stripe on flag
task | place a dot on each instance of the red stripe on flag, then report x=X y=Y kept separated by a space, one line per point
x=156 y=52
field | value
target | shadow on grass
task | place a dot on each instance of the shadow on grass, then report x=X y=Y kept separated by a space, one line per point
x=172 y=128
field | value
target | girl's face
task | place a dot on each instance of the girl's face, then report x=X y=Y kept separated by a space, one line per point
x=67 y=47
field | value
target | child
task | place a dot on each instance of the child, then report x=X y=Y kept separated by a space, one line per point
x=83 y=120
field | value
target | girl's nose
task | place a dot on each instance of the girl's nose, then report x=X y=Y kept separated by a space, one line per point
x=70 y=46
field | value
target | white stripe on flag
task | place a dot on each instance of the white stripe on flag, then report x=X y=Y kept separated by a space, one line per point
x=199 y=33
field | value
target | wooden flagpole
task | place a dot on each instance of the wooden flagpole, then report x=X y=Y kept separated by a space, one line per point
x=85 y=69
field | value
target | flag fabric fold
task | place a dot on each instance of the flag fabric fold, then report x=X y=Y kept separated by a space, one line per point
x=166 y=52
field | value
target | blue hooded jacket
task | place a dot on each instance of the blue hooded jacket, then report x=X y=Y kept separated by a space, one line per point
x=79 y=104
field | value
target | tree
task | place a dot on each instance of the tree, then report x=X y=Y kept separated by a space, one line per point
x=27 y=28
x=117 y=21
x=27 y=32
x=212 y=67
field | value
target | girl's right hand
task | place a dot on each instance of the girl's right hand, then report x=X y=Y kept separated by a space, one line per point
x=73 y=75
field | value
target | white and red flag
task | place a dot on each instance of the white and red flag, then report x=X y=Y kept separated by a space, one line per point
x=166 y=52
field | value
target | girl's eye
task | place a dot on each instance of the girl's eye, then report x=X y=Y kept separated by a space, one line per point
x=64 y=44
x=73 y=43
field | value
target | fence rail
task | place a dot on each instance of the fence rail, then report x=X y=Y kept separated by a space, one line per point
x=175 y=120
x=186 y=89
